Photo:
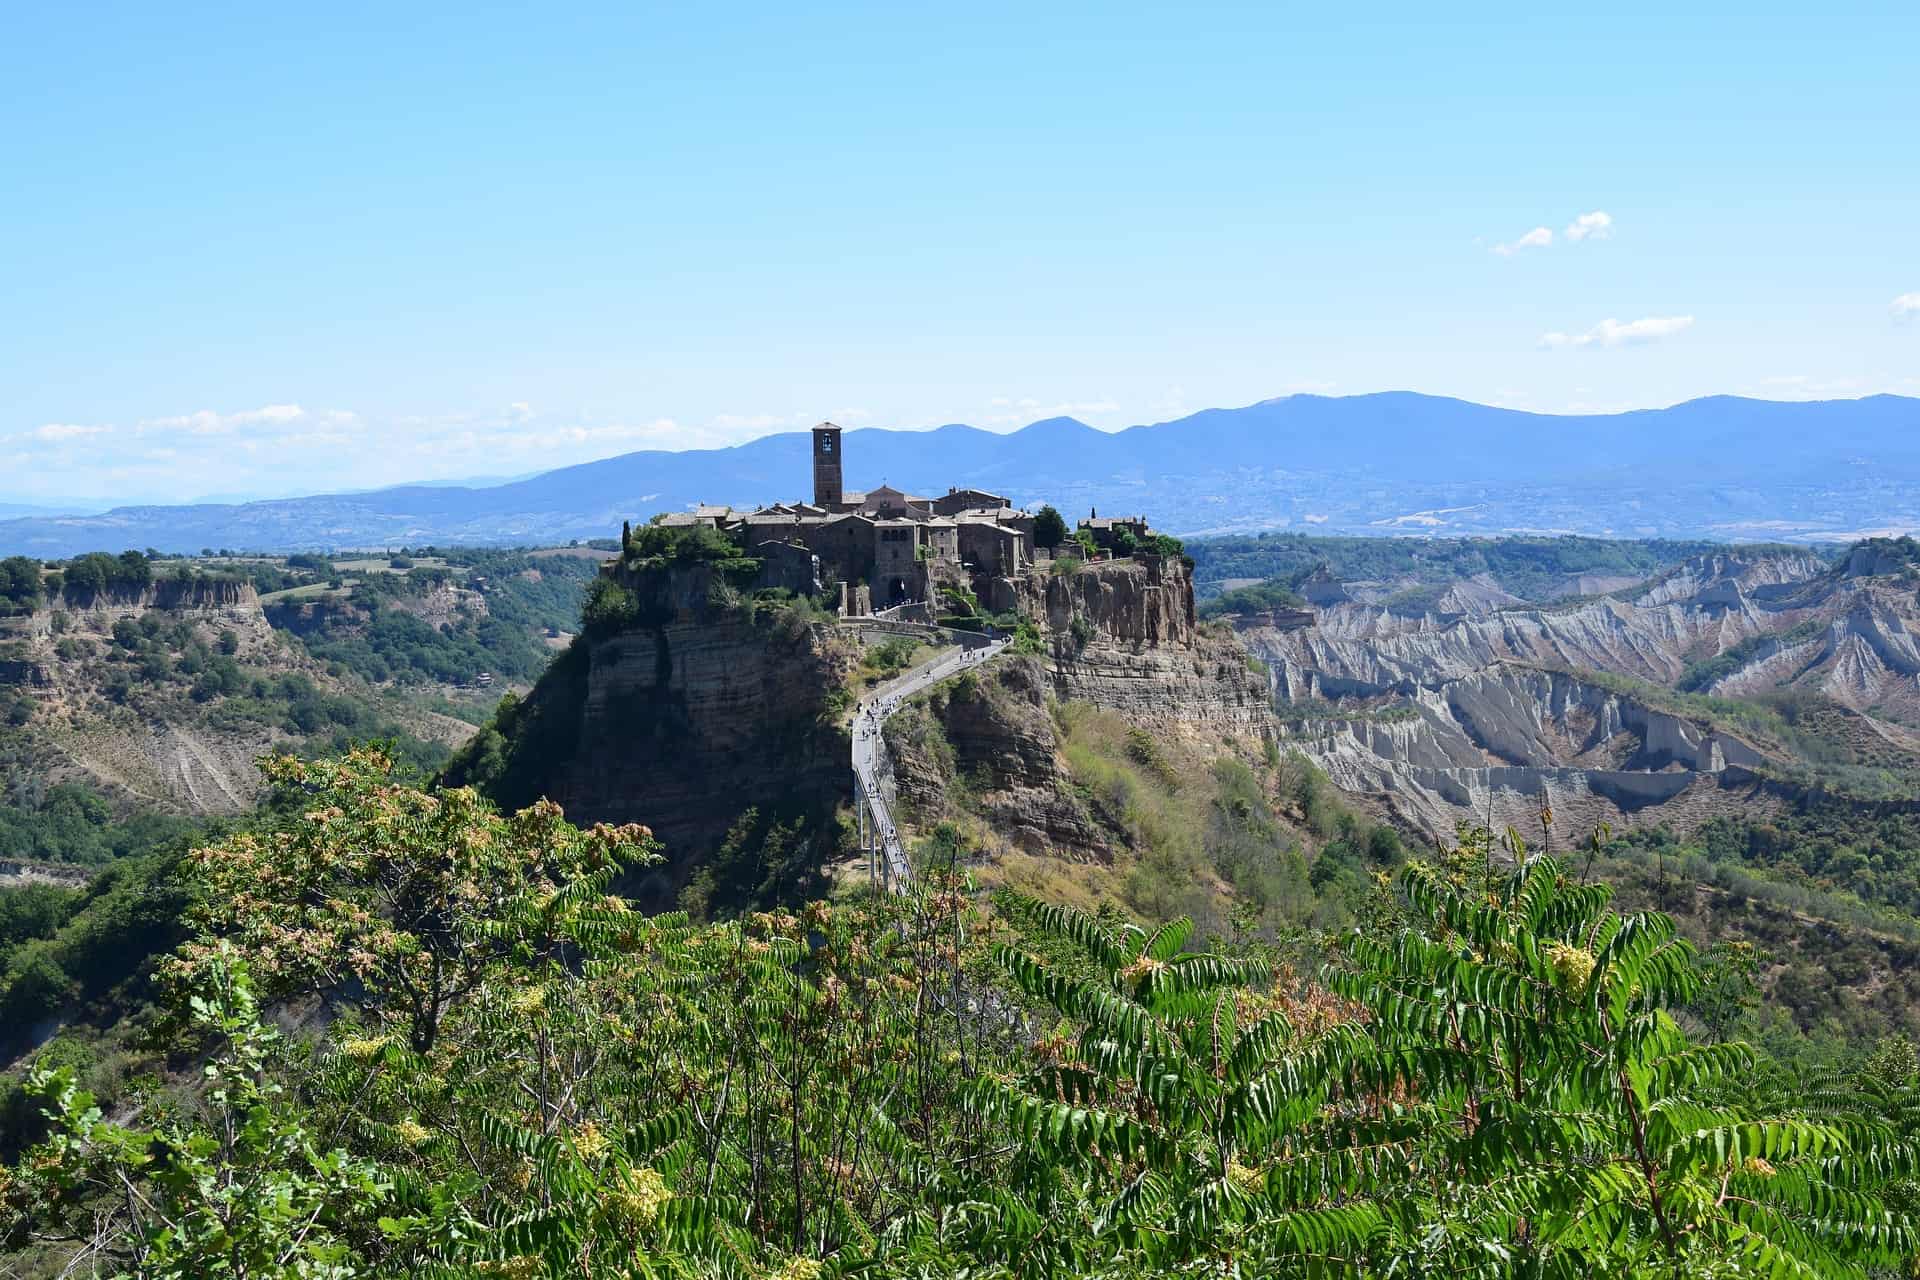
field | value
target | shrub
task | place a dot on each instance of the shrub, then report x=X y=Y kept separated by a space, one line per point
x=609 y=610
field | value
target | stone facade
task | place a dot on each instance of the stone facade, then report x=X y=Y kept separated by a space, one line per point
x=884 y=544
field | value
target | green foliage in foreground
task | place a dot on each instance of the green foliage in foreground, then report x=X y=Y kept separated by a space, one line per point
x=524 y=1078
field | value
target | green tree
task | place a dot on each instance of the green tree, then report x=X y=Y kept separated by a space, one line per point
x=610 y=608
x=1049 y=528
x=396 y=891
x=1567 y=1125
x=20 y=589
x=134 y=572
x=88 y=576
x=1197 y=1118
x=246 y=1191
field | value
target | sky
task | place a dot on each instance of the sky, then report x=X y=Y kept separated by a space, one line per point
x=261 y=250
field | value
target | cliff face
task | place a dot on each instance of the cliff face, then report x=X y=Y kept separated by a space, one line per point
x=1474 y=726
x=175 y=595
x=992 y=734
x=687 y=725
x=1122 y=635
x=701 y=712
x=684 y=723
x=1117 y=635
x=98 y=718
x=1509 y=740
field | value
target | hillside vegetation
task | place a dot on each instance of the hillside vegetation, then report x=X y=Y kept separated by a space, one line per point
x=1494 y=1073
x=1164 y=1001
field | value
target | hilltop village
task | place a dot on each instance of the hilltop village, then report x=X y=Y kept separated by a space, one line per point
x=883 y=549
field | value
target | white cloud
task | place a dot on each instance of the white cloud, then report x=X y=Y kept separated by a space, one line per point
x=1615 y=333
x=1906 y=306
x=274 y=417
x=1597 y=225
x=54 y=432
x=1538 y=238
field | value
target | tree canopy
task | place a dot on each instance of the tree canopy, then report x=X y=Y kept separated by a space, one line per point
x=1490 y=1076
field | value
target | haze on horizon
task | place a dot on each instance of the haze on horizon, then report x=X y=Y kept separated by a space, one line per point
x=246 y=256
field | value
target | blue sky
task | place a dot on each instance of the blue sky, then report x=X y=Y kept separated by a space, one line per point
x=251 y=251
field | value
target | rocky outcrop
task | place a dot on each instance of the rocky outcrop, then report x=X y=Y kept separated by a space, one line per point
x=1141 y=601
x=178 y=595
x=688 y=720
x=1509 y=739
x=705 y=708
x=686 y=725
x=994 y=733
x=1457 y=717
x=24 y=674
x=151 y=742
x=1122 y=634
x=441 y=603
x=1701 y=609
x=1728 y=577
x=1880 y=557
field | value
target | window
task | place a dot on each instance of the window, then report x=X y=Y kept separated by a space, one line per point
x=826 y=444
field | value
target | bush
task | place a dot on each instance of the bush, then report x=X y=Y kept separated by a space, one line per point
x=892 y=656
x=36 y=988
x=609 y=610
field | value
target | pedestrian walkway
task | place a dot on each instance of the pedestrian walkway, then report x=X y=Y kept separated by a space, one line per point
x=872 y=768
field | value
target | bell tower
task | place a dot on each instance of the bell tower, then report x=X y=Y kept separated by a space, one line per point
x=826 y=466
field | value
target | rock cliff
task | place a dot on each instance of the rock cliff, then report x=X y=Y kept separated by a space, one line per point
x=705 y=709
x=699 y=719
x=687 y=725
x=1451 y=716
x=99 y=718
x=1122 y=634
x=992 y=735
x=1119 y=635
x=1507 y=741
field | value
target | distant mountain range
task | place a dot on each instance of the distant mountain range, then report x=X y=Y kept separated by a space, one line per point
x=1395 y=462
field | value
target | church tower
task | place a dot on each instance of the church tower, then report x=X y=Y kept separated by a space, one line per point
x=826 y=466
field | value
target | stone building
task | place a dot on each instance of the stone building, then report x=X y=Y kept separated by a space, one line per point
x=894 y=544
x=1106 y=530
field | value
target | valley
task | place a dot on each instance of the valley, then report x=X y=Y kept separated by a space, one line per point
x=1734 y=679
x=1722 y=734
x=148 y=688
